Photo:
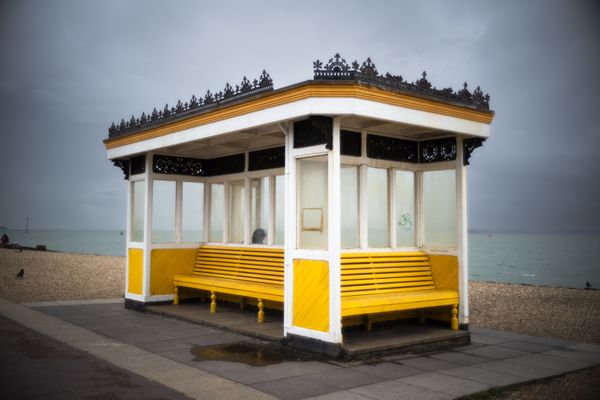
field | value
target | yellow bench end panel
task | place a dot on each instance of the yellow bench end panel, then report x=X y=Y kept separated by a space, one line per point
x=311 y=295
x=165 y=263
x=135 y=271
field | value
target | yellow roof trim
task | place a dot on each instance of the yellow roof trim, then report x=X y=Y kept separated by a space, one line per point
x=300 y=93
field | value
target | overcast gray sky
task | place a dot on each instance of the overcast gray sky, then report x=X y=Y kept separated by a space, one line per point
x=70 y=68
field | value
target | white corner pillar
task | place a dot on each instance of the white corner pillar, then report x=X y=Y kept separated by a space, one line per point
x=334 y=236
x=289 y=237
x=147 y=247
x=462 y=233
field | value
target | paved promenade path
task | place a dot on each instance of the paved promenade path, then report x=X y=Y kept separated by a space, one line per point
x=160 y=350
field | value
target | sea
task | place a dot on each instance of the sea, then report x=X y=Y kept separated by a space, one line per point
x=558 y=260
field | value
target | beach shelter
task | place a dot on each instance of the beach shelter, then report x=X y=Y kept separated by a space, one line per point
x=340 y=200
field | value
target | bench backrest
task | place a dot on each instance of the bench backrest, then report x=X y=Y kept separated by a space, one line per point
x=244 y=264
x=379 y=273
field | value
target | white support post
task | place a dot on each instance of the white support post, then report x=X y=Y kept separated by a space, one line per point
x=419 y=215
x=206 y=213
x=149 y=179
x=289 y=228
x=226 y=211
x=178 y=210
x=247 y=211
x=362 y=193
x=128 y=226
x=272 y=212
x=363 y=207
x=334 y=236
x=391 y=172
x=462 y=234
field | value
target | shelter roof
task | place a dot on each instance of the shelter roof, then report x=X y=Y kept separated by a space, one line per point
x=336 y=78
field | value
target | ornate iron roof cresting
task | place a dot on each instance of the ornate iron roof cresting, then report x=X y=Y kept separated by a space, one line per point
x=338 y=69
x=246 y=88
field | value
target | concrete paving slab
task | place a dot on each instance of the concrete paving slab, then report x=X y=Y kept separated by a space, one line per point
x=594 y=348
x=490 y=377
x=428 y=363
x=238 y=392
x=526 y=371
x=164 y=346
x=496 y=352
x=208 y=340
x=592 y=358
x=549 y=341
x=486 y=339
x=394 y=390
x=254 y=375
x=345 y=378
x=341 y=395
x=460 y=358
x=295 y=388
x=560 y=365
x=529 y=347
x=451 y=385
x=217 y=367
x=388 y=370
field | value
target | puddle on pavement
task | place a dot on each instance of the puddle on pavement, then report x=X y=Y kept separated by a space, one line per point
x=250 y=354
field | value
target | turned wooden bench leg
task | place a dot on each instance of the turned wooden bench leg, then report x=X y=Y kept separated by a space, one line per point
x=213 y=302
x=368 y=323
x=422 y=318
x=175 y=295
x=261 y=311
x=454 y=319
x=243 y=304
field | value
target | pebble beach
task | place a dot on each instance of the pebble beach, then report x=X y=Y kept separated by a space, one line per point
x=572 y=314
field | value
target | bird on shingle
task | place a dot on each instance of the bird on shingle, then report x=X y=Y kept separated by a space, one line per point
x=588 y=285
x=21 y=273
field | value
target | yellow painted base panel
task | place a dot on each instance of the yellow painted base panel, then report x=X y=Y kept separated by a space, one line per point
x=311 y=295
x=135 y=271
x=165 y=263
x=444 y=270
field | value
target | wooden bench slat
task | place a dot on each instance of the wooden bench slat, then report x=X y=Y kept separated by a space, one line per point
x=383 y=254
x=232 y=271
x=367 y=293
x=217 y=264
x=351 y=267
x=390 y=274
x=379 y=281
x=214 y=256
x=244 y=279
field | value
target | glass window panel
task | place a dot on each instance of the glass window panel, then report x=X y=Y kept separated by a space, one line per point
x=439 y=208
x=349 y=206
x=405 y=208
x=377 y=187
x=260 y=210
x=312 y=203
x=192 y=212
x=217 y=203
x=236 y=211
x=163 y=211
x=137 y=212
x=279 y=209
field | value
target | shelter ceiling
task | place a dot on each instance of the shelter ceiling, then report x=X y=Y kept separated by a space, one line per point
x=272 y=136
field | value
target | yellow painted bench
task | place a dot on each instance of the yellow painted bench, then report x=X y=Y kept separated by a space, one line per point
x=385 y=282
x=247 y=272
